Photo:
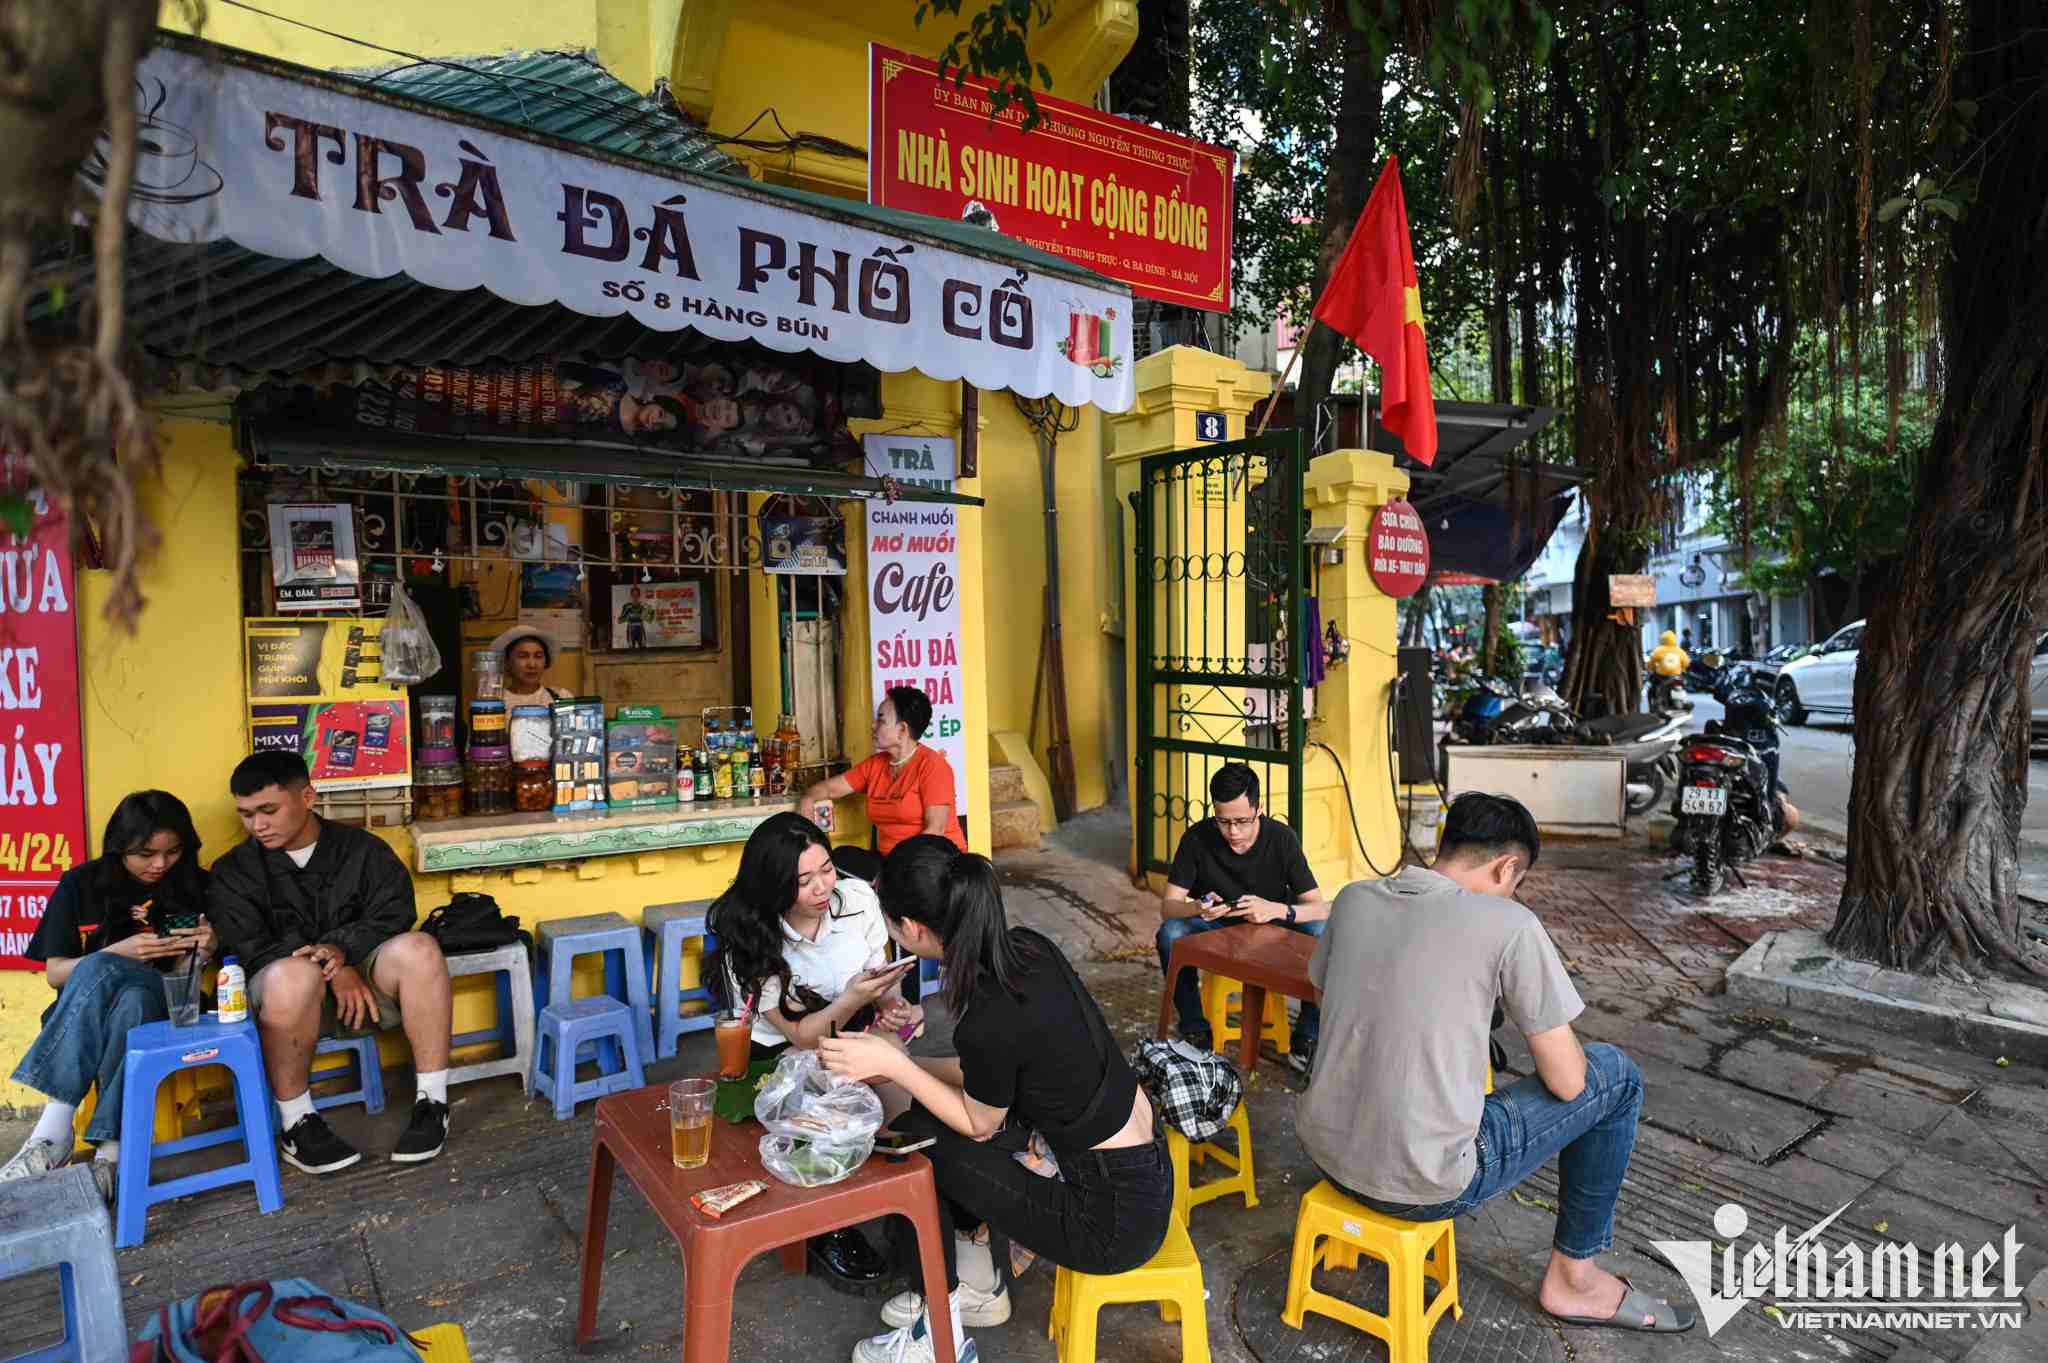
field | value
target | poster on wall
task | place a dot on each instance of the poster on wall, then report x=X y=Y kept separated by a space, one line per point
x=313 y=556
x=551 y=601
x=914 y=606
x=315 y=689
x=42 y=770
x=658 y=615
x=794 y=544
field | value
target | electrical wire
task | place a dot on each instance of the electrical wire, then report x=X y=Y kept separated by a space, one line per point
x=1364 y=850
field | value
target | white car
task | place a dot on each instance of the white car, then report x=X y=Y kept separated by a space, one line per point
x=1824 y=681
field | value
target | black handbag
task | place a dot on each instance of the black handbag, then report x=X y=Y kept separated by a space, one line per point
x=472 y=922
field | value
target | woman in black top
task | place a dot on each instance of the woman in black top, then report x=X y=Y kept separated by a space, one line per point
x=111 y=930
x=1034 y=1055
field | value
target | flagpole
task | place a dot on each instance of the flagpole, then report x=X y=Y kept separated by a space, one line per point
x=1300 y=344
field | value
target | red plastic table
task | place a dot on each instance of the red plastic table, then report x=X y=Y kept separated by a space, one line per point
x=1260 y=956
x=632 y=1134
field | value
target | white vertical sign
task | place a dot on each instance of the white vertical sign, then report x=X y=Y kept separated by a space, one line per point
x=913 y=552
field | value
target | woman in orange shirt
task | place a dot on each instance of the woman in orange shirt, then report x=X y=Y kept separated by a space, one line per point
x=909 y=787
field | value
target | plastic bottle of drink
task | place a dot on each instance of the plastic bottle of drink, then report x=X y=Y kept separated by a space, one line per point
x=231 y=995
x=721 y=776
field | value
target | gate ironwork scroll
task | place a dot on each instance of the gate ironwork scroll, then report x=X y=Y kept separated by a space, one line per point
x=1221 y=553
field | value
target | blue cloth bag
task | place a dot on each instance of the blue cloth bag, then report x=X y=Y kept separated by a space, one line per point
x=286 y=1320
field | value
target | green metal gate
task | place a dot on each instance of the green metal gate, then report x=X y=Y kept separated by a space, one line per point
x=1220 y=549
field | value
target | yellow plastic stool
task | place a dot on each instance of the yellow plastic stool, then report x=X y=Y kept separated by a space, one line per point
x=442 y=1344
x=1187 y=1196
x=1222 y=995
x=1411 y=1250
x=1173 y=1279
x=177 y=1103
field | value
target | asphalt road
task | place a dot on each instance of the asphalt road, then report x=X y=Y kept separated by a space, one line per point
x=1815 y=760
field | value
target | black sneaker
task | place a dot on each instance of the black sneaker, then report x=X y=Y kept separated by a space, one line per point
x=312 y=1146
x=425 y=1134
x=1301 y=1054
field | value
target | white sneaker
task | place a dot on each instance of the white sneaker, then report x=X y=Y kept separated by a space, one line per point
x=911 y=1344
x=37 y=1157
x=978 y=1309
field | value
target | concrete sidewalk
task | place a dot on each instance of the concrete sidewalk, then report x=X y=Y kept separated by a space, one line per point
x=1788 y=1117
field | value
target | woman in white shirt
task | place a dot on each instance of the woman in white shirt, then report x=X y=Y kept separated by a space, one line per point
x=804 y=950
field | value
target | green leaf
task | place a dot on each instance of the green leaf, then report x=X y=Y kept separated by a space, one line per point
x=1891 y=208
x=1949 y=208
x=1925 y=187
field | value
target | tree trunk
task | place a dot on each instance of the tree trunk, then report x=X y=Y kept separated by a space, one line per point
x=1491 y=596
x=1353 y=169
x=1940 y=781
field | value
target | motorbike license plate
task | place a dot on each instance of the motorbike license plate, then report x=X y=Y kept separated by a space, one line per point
x=1703 y=800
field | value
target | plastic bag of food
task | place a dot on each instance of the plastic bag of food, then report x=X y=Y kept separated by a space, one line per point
x=821 y=1127
x=410 y=656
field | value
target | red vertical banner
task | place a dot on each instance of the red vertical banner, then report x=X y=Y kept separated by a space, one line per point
x=42 y=767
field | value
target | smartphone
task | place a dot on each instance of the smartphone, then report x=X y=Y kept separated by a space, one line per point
x=897 y=1143
x=893 y=968
x=180 y=922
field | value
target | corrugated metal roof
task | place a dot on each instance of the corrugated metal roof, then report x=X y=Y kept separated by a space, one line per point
x=563 y=94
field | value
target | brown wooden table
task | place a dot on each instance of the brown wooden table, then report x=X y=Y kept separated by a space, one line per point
x=632 y=1133
x=1260 y=956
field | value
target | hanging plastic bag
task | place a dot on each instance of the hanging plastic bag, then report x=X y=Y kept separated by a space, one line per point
x=409 y=653
x=820 y=1127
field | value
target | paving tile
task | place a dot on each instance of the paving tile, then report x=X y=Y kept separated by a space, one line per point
x=1862 y=1097
x=1719 y=1114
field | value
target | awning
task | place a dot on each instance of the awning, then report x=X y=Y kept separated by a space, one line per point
x=295 y=164
x=285 y=445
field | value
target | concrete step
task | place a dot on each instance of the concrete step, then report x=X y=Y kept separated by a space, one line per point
x=1014 y=823
x=1005 y=784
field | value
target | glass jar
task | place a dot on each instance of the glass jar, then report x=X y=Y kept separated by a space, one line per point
x=533 y=733
x=437 y=722
x=436 y=785
x=487 y=779
x=489 y=666
x=487 y=722
x=533 y=787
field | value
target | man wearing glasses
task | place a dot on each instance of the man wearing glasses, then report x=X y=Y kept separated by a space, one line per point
x=1237 y=866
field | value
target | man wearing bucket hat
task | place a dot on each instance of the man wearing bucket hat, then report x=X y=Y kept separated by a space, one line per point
x=528 y=655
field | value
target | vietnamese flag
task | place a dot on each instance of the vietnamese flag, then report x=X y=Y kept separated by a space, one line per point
x=1373 y=298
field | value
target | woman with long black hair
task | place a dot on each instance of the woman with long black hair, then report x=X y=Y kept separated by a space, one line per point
x=111 y=930
x=804 y=951
x=1034 y=1056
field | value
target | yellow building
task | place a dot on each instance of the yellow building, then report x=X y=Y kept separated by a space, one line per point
x=322 y=313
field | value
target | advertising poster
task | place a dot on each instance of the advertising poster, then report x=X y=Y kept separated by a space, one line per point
x=658 y=615
x=803 y=545
x=551 y=601
x=42 y=771
x=315 y=688
x=914 y=606
x=313 y=556
x=1146 y=207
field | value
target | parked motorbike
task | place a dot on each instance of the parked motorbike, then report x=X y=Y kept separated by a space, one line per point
x=1649 y=745
x=1727 y=809
x=1705 y=670
x=1538 y=715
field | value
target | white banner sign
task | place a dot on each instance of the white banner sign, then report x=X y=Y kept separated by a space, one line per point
x=294 y=170
x=914 y=590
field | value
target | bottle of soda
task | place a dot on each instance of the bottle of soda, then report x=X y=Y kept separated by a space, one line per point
x=721 y=776
x=702 y=778
x=742 y=775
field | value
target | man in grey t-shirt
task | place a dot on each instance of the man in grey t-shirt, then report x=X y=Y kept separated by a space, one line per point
x=1397 y=1113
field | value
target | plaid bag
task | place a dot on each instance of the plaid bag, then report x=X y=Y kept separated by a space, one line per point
x=1195 y=1090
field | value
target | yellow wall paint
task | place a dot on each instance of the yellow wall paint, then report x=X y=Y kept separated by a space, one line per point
x=435 y=28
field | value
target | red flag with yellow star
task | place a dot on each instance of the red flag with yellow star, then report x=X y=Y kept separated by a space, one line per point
x=1373 y=298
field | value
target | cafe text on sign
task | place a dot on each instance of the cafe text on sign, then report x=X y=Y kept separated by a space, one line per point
x=1398 y=549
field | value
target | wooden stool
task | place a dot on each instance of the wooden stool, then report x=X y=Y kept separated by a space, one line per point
x=1186 y=1196
x=1173 y=1278
x=1221 y=994
x=1411 y=1250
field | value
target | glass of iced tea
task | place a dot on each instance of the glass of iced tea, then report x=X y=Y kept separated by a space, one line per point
x=735 y=1043
x=689 y=1121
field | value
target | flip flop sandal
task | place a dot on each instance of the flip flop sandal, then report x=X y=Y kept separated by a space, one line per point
x=1640 y=1312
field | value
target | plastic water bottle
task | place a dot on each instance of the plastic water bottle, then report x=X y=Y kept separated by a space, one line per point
x=231 y=994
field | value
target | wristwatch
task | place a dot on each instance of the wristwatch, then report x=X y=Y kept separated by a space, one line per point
x=1290 y=915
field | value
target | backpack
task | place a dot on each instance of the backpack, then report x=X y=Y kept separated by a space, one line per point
x=287 y=1320
x=1194 y=1090
x=471 y=922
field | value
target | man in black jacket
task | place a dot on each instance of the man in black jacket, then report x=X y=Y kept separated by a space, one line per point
x=321 y=916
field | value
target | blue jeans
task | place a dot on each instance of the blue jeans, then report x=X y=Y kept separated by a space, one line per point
x=1525 y=1124
x=1187 y=991
x=84 y=1041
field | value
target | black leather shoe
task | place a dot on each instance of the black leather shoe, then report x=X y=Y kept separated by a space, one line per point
x=848 y=1263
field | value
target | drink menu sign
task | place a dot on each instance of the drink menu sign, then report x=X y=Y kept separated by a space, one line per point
x=1149 y=208
x=914 y=599
x=42 y=771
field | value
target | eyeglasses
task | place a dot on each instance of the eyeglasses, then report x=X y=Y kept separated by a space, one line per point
x=1237 y=825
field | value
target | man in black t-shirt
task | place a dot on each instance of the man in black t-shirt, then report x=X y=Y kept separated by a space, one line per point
x=1237 y=866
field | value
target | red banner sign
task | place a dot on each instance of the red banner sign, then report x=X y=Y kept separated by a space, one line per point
x=1399 y=546
x=1149 y=208
x=42 y=773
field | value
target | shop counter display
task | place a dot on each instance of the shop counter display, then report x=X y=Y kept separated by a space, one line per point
x=478 y=842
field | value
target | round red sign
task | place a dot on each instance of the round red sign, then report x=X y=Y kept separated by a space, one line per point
x=1400 y=550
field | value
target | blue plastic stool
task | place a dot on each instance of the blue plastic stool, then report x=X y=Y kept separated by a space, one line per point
x=513 y=1030
x=364 y=1063
x=608 y=935
x=566 y=1028
x=58 y=1221
x=666 y=927
x=157 y=1050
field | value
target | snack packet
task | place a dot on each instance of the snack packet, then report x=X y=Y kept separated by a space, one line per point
x=716 y=1202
